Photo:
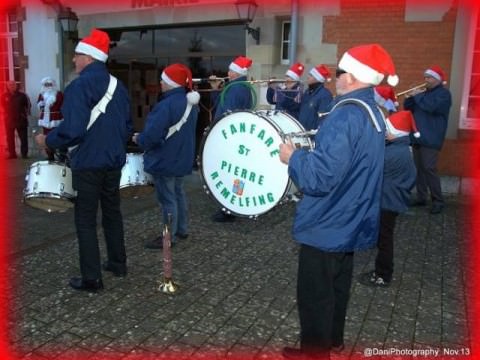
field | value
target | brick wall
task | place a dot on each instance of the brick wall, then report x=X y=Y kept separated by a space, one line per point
x=413 y=46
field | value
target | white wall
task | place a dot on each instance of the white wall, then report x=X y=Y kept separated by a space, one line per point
x=41 y=46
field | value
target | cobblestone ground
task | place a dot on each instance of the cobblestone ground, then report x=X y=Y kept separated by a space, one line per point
x=236 y=292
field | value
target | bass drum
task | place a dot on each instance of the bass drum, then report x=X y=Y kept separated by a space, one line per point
x=239 y=160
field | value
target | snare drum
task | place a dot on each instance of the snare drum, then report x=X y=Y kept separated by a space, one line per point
x=49 y=187
x=240 y=164
x=134 y=180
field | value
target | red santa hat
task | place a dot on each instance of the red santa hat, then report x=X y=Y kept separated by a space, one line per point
x=179 y=75
x=369 y=64
x=96 y=45
x=321 y=73
x=436 y=72
x=241 y=65
x=385 y=96
x=401 y=124
x=295 y=71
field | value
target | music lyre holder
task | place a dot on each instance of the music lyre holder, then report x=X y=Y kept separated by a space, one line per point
x=167 y=286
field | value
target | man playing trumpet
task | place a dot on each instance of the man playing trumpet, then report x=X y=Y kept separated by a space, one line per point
x=287 y=96
x=430 y=109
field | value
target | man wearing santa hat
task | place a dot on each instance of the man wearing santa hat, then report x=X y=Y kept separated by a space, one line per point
x=317 y=99
x=49 y=103
x=430 y=110
x=168 y=140
x=399 y=175
x=341 y=182
x=288 y=95
x=237 y=95
x=96 y=127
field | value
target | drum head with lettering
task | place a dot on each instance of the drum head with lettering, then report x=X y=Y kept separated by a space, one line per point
x=240 y=163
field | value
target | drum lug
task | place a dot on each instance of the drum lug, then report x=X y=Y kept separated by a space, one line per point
x=38 y=170
x=62 y=188
x=64 y=172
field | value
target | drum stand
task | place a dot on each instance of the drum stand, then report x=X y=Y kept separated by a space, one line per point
x=167 y=286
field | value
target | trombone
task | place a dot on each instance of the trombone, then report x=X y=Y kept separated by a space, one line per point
x=421 y=87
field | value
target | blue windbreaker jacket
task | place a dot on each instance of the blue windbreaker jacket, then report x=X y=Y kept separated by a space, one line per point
x=430 y=110
x=341 y=179
x=103 y=146
x=314 y=101
x=238 y=96
x=399 y=175
x=174 y=156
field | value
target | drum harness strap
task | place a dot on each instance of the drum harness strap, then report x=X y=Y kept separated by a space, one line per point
x=342 y=102
x=366 y=107
x=101 y=106
x=174 y=128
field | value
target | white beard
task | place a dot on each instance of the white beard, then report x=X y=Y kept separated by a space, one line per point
x=49 y=97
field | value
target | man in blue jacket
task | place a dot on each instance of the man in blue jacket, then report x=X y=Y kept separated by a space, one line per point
x=316 y=99
x=398 y=180
x=169 y=144
x=236 y=96
x=430 y=110
x=288 y=95
x=341 y=181
x=97 y=142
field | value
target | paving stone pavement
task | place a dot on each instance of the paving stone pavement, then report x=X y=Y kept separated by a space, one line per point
x=237 y=281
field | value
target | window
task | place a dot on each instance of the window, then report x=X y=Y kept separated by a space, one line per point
x=9 y=47
x=470 y=109
x=284 y=54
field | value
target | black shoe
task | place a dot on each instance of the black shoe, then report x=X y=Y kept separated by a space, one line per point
x=436 y=209
x=419 y=203
x=157 y=244
x=372 y=279
x=115 y=271
x=181 y=236
x=221 y=216
x=24 y=156
x=86 y=285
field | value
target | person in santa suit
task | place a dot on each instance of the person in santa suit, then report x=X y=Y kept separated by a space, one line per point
x=49 y=102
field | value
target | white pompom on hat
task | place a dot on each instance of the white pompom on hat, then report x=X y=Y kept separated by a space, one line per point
x=96 y=45
x=369 y=64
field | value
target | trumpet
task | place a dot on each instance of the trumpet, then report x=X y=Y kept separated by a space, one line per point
x=421 y=87
x=206 y=80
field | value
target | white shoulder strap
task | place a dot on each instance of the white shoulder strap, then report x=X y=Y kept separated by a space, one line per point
x=101 y=106
x=174 y=128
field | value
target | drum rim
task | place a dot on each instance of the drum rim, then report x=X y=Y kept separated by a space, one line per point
x=47 y=195
x=206 y=188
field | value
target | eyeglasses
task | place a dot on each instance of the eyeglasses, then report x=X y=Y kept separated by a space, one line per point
x=339 y=72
